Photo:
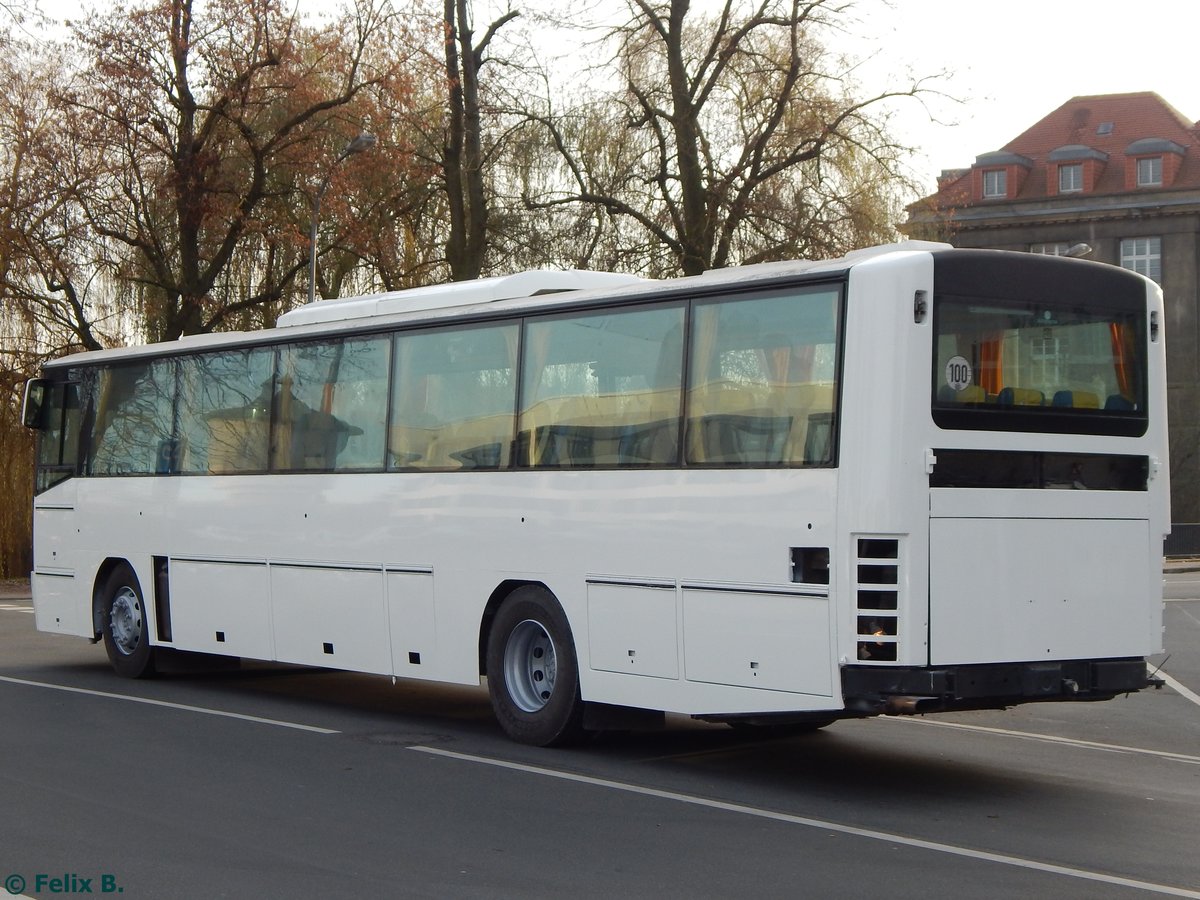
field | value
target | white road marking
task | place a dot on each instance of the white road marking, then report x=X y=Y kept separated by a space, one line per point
x=1179 y=688
x=822 y=824
x=12 y=607
x=180 y=706
x=1049 y=738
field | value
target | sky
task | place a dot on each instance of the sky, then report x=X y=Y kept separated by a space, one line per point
x=1012 y=63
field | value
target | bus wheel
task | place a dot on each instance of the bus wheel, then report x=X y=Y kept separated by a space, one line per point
x=533 y=675
x=126 y=631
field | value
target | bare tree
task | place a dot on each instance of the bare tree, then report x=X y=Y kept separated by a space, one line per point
x=463 y=151
x=735 y=137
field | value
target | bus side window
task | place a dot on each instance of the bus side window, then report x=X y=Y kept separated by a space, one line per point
x=329 y=402
x=454 y=399
x=598 y=391
x=58 y=420
x=224 y=405
x=762 y=377
x=135 y=410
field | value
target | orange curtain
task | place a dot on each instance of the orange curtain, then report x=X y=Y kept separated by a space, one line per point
x=1124 y=352
x=991 y=364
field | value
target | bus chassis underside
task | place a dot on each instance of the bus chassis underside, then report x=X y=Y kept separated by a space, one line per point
x=872 y=691
x=900 y=691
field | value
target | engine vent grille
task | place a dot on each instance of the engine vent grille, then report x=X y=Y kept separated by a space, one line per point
x=877 y=603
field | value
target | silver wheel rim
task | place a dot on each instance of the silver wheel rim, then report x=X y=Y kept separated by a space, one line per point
x=530 y=666
x=125 y=621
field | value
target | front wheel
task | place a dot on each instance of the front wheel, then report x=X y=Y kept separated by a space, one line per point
x=533 y=674
x=125 y=625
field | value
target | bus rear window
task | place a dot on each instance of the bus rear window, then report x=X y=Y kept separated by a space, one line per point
x=1021 y=365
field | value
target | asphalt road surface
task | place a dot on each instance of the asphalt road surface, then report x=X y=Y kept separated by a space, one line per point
x=286 y=782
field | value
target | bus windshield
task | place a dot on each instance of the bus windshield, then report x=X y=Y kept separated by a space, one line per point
x=1041 y=366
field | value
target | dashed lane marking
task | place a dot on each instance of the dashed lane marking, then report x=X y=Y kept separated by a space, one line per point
x=180 y=706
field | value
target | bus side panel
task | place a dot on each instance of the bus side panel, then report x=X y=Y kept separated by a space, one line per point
x=221 y=607
x=56 y=605
x=412 y=623
x=632 y=629
x=330 y=617
x=767 y=641
x=61 y=598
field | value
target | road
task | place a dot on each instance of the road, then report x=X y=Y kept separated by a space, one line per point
x=285 y=782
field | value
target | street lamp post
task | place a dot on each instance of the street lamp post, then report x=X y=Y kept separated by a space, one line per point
x=363 y=142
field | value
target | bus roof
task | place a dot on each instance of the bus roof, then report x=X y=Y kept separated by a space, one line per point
x=517 y=292
x=535 y=283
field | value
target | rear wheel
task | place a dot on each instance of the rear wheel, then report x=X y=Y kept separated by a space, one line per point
x=125 y=625
x=533 y=674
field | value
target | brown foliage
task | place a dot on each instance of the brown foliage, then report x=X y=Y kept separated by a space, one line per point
x=211 y=124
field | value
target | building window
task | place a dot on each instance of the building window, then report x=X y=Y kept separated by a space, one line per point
x=1143 y=255
x=1149 y=171
x=995 y=183
x=1056 y=249
x=1070 y=178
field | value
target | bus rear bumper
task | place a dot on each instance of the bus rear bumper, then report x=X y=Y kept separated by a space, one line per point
x=871 y=690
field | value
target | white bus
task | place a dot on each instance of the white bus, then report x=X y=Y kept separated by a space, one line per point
x=912 y=479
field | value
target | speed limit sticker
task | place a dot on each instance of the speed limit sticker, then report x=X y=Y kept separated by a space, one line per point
x=958 y=373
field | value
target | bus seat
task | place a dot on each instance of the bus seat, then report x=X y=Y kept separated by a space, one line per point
x=714 y=403
x=800 y=403
x=1076 y=399
x=1016 y=396
x=480 y=443
x=735 y=439
x=409 y=446
x=542 y=434
x=602 y=429
x=972 y=393
x=1119 y=403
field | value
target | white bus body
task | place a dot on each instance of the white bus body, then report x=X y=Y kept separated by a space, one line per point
x=897 y=532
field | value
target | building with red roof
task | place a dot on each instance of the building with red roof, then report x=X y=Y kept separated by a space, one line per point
x=1116 y=178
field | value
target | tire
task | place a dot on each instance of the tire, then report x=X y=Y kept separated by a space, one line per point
x=126 y=626
x=533 y=672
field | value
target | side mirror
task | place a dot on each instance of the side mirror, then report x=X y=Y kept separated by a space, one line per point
x=37 y=395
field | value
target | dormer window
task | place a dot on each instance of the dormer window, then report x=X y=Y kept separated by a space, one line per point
x=1070 y=178
x=995 y=184
x=1149 y=171
x=999 y=175
x=1152 y=163
x=1074 y=168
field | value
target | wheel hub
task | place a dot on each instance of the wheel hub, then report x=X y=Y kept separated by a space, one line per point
x=125 y=621
x=530 y=666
